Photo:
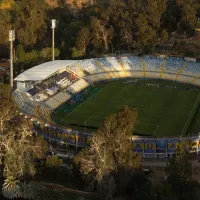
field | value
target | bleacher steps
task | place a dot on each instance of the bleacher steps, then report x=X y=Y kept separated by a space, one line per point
x=163 y=67
x=102 y=67
x=181 y=69
x=144 y=67
x=122 y=66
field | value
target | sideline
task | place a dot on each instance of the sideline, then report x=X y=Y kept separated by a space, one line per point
x=190 y=117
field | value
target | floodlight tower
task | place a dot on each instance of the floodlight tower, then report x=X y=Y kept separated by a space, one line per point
x=53 y=27
x=11 y=39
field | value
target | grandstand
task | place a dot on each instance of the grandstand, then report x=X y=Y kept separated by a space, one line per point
x=59 y=87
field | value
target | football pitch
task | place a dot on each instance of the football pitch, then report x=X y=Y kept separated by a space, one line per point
x=162 y=111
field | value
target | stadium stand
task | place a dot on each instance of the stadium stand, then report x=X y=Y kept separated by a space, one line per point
x=153 y=63
x=105 y=63
x=24 y=103
x=115 y=64
x=89 y=66
x=62 y=96
x=192 y=69
x=126 y=63
x=75 y=68
x=135 y=63
x=52 y=103
x=78 y=86
x=33 y=91
x=42 y=89
x=148 y=147
x=53 y=83
x=58 y=99
x=173 y=65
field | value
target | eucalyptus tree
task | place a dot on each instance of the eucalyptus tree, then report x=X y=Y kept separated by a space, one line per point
x=30 y=21
x=111 y=148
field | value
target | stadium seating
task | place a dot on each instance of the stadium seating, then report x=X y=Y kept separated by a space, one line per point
x=126 y=63
x=62 y=96
x=61 y=76
x=44 y=113
x=52 y=103
x=105 y=63
x=173 y=65
x=192 y=69
x=76 y=69
x=40 y=96
x=153 y=63
x=51 y=91
x=115 y=64
x=79 y=85
x=24 y=102
x=135 y=63
x=89 y=66
x=33 y=91
x=58 y=99
x=41 y=86
x=65 y=79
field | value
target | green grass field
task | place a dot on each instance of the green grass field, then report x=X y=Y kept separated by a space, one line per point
x=162 y=111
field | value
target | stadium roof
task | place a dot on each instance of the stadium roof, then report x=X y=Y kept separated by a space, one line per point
x=43 y=71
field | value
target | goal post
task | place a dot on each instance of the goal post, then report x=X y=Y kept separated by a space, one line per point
x=153 y=85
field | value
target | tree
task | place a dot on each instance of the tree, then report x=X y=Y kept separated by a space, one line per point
x=53 y=162
x=29 y=20
x=47 y=53
x=179 y=169
x=101 y=32
x=20 y=53
x=188 y=20
x=30 y=190
x=5 y=26
x=180 y=166
x=19 y=147
x=11 y=188
x=82 y=41
x=7 y=106
x=164 y=35
x=155 y=10
x=111 y=147
x=145 y=33
x=121 y=15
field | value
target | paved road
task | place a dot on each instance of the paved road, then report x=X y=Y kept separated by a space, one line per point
x=163 y=163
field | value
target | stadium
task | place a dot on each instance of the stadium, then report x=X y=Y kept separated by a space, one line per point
x=66 y=100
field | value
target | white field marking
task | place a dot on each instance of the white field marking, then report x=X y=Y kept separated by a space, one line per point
x=190 y=113
x=155 y=129
x=179 y=92
x=80 y=105
x=86 y=120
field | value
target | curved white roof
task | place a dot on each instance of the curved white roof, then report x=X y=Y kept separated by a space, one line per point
x=43 y=71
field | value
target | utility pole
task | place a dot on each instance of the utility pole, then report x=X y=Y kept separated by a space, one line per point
x=53 y=27
x=11 y=39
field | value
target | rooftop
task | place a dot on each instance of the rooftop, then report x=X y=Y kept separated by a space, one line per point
x=43 y=71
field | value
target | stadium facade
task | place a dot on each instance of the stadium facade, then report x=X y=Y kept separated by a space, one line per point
x=44 y=88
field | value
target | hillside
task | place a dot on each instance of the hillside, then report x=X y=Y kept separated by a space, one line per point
x=6 y=4
x=72 y=3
